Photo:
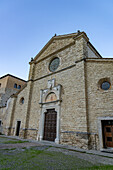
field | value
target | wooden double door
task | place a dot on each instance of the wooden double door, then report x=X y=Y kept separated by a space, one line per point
x=50 y=125
x=108 y=133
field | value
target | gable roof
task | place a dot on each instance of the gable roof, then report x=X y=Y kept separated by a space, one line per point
x=13 y=77
x=59 y=42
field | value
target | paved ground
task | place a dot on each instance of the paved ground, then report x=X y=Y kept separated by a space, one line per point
x=8 y=146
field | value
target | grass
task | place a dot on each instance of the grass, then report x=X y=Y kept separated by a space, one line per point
x=34 y=158
x=15 y=141
x=105 y=167
x=42 y=157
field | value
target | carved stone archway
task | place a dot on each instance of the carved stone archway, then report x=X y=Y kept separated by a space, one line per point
x=50 y=98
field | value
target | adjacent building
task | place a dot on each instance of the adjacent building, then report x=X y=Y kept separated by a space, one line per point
x=9 y=85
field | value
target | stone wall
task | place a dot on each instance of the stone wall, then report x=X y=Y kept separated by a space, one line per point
x=3 y=85
x=100 y=102
x=55 y=45
x=79 y=139
x=71 y=77
x=91 y=53
x=17 y=111
x=7 y=88
x=5 y=96
x=82 y=100
x=2 y=119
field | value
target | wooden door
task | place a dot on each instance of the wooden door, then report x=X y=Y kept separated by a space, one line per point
x=108 y=134
x=50 y=125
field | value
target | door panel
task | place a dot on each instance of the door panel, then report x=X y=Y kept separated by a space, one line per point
x=50 y=125
x=108 y=134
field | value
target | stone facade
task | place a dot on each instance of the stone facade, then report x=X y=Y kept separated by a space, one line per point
x=9 y=85
x=73 y=91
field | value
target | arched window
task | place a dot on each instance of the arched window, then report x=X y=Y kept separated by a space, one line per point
x=15 y=85
x=22 y=100
x=0 y=84
x=51 y=97
x=19 y=86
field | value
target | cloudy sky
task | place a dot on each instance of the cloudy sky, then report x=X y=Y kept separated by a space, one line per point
x=27 y=25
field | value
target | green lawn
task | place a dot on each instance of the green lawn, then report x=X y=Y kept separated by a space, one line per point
x=14 y=141
x=42 y=157
x=37 y=158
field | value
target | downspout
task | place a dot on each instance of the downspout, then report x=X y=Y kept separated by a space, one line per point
x=86 y=97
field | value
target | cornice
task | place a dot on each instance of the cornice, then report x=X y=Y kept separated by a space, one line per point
x=13 y=77
x=99 y=59
x=44 y=48
x=81 y=34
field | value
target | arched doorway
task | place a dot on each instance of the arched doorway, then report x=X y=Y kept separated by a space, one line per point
x=50 y=104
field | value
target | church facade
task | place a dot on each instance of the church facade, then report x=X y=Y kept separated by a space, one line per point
x=68 y=98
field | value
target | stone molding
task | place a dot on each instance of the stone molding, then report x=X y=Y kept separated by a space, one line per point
x=50 y=105
x=100 y=129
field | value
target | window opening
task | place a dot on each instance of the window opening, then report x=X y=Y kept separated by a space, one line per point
x=105 y=85
x=19 y=86
x=54 y=64
x=15 y=85
x=18 y=128
x=22 y=100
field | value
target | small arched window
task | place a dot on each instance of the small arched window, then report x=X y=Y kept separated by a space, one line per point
x=22 y=100
x=19 y=86
x=15 y=85
x=0 y=84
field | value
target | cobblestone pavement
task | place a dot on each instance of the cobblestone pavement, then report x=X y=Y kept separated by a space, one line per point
x=95 y=157
x=18 y=145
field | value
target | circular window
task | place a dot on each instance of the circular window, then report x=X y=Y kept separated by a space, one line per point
x=22 y=100
x=105 y=85
x=54 y=64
